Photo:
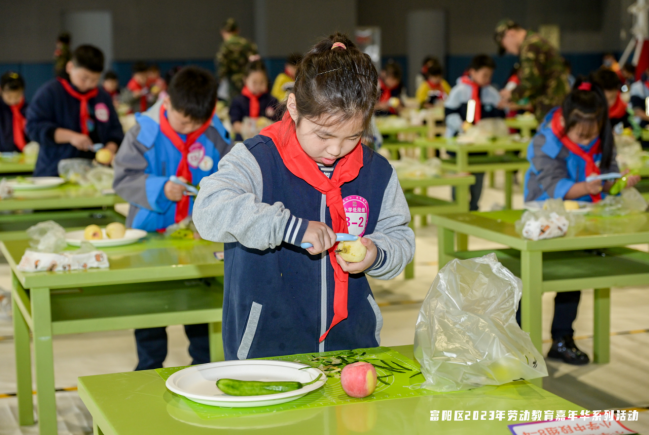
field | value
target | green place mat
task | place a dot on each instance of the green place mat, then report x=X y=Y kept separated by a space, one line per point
x=399 y=385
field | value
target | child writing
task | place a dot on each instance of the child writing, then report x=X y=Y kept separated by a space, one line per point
x=434 y=89
x=303 y=179
x=286 y=80
x=178 y=136
x=254 y=101
x=389 y=102
x=472 y=99
x=12 y=113
x=573 y=143
x=68 y=116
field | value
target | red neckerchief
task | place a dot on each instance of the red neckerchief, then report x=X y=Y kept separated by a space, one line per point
x=436 y=87
x=302 y=166
x=84 y=114
x=514 y=79
x=18 y=124
x=618 y=109
x=287 y=72
x=182 y=208
x=254 y=101
x=134 y=86
x=591 y=168
x=475 y=96
x=386 y=92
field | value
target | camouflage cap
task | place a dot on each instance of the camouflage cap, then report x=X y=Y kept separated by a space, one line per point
x=502 y=27
x=230 y=25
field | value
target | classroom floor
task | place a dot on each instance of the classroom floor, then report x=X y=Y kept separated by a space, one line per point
x=621 y=384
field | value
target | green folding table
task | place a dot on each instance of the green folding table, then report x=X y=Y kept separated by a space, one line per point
x=71 y=206
x=17 y=164
x=420 y=203
x=525 y=125
x=156 y=282
x=138 y=403
x=465 y=159
x=595 y=257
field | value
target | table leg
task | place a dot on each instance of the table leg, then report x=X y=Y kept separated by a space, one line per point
x=216 y=342
x=531 y=302
x=23 y=364
x=445 y=248
x=462 y=199
x=492 y=174
x=409 y=271
x=509 y=182
x=43 y=354
x=602 y=327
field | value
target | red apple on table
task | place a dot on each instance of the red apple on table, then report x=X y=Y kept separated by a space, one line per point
x=358 y=379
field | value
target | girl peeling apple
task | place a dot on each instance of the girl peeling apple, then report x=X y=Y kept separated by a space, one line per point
x=296 y=182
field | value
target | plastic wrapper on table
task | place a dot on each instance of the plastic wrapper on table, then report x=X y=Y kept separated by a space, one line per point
x=466 y=334
x=184 y=229
x=33 y=261
x=628 y=202
x=629 y=153
x=47 y=236
x=101 y=177
x=6 y=191
x=74 y=170
x=31 y=151
x=411 y=168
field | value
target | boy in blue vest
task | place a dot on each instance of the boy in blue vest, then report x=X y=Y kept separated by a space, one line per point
x=178 y=136
x=68 y=116
x=473 y=87
x=302 y=180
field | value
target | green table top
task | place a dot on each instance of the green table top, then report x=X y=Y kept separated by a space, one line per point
x=139 y=403
x=598 y=232
x=502 y=144
x=447 y=180
x=522 y=123
x=421 y=129
x=155 y=258
x=64 y=197
x=16 y=165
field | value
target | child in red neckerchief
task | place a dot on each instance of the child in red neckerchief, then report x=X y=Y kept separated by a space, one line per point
x=574 y=143
x=178 y=136
x=302 y=180
x=390 y=89
x=434 y=89
x=70 y=117
x=12 y=113
x=619 y=112
x=137 y=93
x=255 y=101
x=285 y=81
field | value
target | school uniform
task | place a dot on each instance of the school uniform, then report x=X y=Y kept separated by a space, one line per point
x=12 y=127
x=283 y=84
x=56 y=106
x=385 y=93
x=279 y=299
x=554 y=169
x=248 y=105
x=137 y=104
x=455 y=108
x=145 y=161
x=431 y=93
x=621 y=116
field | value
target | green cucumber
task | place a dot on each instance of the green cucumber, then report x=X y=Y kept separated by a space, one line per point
x=234 y=387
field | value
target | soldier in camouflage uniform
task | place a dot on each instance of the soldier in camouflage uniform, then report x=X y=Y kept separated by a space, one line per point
x=233 y=56
x=543 y=74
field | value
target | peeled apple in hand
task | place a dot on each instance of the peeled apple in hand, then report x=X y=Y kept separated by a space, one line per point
x=93 y=232
x=352 y=252
x=104 y=156
x=116 y=230
x=358 y=379
x=394 y=102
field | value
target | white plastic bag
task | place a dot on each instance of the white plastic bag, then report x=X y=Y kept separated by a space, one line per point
x=47 y=236
x=466 y=334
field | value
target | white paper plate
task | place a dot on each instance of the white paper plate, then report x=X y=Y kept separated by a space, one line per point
x=584 y=206
x=75 y=238
x=198 y=383
x=35 y=183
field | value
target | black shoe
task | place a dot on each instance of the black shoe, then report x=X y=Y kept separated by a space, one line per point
x=567 y=351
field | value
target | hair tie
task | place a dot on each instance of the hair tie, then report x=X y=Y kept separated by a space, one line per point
x=585 y=86
x=339 y=44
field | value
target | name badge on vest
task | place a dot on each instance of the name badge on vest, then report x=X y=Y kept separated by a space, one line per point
x=195 y=155
x=101 y=112
x=357 y=210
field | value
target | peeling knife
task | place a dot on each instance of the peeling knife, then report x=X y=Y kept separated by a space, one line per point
x=340 y=237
